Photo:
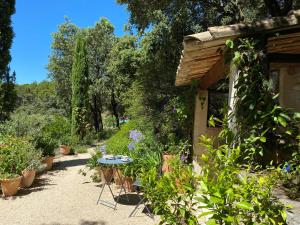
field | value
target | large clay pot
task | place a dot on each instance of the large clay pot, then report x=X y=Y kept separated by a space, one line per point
x=118 y=176
x=106 y=174
x=48 y=160
x=128 y=184
x=10 y=186
x=64 y=149
x=166 y=162
x=28 y=178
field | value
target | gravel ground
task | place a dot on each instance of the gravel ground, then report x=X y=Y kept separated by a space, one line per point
x=64 y=197
x=293 y=214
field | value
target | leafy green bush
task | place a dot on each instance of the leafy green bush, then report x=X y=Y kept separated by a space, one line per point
x=146 y=155
x=118 y=143
x=225 y=192
x=46 y=144
x=16 y=154
x=23 y=124
x=172 y=195
x=59 y=129
x=231 y=194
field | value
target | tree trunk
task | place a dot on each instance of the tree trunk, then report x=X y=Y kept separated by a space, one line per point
x=96 y=111
x=114 y=108
x=275 y=8
x=95 y=114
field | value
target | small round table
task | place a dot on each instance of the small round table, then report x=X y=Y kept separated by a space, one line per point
x=114 y=163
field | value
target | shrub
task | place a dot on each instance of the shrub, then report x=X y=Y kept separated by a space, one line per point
x=172 y=194
x=22 y=124
x=46 y=144
x=59 y=129
x=118 y=143
x=17 y=154
x=233 y=195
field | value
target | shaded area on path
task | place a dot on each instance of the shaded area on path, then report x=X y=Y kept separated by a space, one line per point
x=62 y=196
x=82 y=222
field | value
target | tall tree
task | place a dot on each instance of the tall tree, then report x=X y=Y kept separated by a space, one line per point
x=7 y=92
x=80 y=82
x=123 y=62
x=61 y=61
x=170 y=21
x=99 y=42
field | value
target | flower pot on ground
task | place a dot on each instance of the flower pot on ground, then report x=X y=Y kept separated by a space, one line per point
x=10 y=186
x=128 y=184
x=166 y=162
x=65 y=149
x=28 y=177
x=106 y=174
x=47 y=145
x=17 y=154
x=48 y=160
x=118 y=176
x=28 y=174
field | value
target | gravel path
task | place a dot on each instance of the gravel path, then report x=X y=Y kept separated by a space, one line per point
x=64 y=197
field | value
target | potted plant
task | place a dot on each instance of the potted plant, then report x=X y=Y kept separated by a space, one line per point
x=171 y=151
x=14 y=154
x=65 y=146
x=47 y=145
x=28 y=174
x=104 y=174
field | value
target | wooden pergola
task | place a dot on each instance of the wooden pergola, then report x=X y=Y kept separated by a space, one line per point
x=203 y=55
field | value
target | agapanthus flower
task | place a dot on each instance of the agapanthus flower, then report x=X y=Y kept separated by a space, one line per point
x=136 y=135
x=287 y=168
x=131 y=146
x=183 y=158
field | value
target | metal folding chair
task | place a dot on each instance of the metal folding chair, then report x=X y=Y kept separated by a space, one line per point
x=137 y=185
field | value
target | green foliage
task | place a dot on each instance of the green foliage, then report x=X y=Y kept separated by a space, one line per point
x=22 y=124
x=261 y=126
x=100 y=39
x=118 y=143
x=38 y=98
x=61 y=62
x=80 y=89
x=7 y=95
x=46 y=144
x=172 y=194
x=91 y=164
x=146 y=155
x=59 y=129
x=7 y=80
x=17 y=154
x=231 y=194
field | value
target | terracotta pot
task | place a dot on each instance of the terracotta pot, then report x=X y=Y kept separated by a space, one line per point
x=48 y=160
x=28 y=178
x=10 y=186
x=179 y=186
x=118 y=176
x=128 y=184
x=64 y=149
x=166 y=164
x=106 y=174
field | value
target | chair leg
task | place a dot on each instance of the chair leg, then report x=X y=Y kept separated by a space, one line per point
x=142 y=200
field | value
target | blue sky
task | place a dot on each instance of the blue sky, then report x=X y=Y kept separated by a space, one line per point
x=35 y=20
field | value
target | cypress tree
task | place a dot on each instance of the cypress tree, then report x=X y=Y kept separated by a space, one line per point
x=7 y=92
x=80 y=99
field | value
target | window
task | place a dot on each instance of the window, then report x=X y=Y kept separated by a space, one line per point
x=217 y=98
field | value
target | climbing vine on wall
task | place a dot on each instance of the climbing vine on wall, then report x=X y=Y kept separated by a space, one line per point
x=264 y=130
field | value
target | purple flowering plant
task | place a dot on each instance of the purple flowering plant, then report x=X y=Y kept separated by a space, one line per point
x=136 y=137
